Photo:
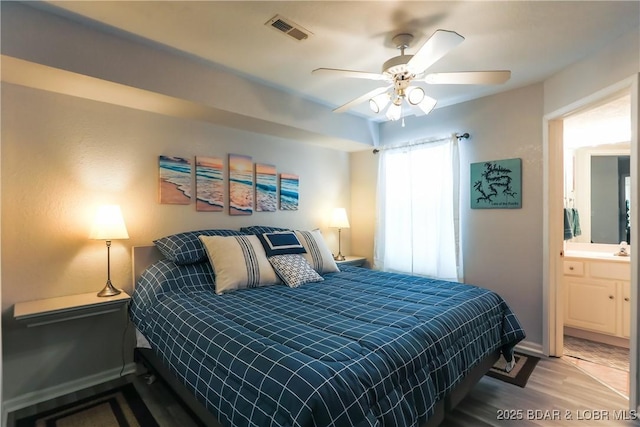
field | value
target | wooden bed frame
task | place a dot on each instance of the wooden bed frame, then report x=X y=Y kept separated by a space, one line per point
x=143 y=256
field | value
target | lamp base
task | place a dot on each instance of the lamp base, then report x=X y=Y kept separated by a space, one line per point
x=339 y=257
x=108 y=290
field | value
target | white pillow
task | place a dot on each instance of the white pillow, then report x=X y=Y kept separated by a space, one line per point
x=318 y=254
x=238 y=262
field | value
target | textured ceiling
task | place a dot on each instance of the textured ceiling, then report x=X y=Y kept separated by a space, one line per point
x=601 y=124
x=533 y=39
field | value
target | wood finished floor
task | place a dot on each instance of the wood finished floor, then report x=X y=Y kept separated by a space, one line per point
x=615 y=378
x=607 y=363
x=555 y=385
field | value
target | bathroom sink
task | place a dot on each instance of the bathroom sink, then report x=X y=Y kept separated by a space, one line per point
x=597 y=255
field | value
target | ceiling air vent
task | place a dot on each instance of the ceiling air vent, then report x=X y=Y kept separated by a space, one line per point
x=288 y=27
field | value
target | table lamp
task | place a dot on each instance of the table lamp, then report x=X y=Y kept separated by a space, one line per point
x=339 y=220
x=108 y=225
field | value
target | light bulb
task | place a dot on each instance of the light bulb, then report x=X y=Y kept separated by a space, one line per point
x=415 y=95
x=394 y=112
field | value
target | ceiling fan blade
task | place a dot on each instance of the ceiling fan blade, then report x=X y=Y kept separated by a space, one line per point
x=468 y=78
x=350 y=73
x=362 y=98
x=438 y=45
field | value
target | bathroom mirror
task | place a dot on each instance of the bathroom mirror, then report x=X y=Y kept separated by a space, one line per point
x=600 y=193
x=610 y=199
x=596 y=172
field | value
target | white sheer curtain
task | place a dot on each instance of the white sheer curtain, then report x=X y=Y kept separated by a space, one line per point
x=417 y=210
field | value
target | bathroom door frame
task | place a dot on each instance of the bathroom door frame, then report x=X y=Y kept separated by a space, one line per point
x=553 y=193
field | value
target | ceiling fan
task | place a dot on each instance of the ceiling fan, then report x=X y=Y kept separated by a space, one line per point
x=401 y=71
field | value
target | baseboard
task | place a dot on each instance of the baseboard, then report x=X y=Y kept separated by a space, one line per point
x=530 y=348
x=35 y=397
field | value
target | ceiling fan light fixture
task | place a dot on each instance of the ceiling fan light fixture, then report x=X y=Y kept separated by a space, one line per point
x=394 y=112
x=400 y=71
x=427 y=104
x=415 y=95
x=378 y=102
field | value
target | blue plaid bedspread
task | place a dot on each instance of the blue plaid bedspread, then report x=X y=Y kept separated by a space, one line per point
x=362 y=348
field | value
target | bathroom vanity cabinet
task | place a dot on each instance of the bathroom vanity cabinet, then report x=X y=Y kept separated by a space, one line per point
x=597 y=294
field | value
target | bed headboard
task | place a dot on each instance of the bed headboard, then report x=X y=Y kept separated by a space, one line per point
x=142 y=257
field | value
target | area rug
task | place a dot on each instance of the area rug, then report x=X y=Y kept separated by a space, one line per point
x=119 y=407
x=520 y=373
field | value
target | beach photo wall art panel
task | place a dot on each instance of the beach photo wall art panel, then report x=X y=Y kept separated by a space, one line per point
x=175 y=182
x=174 y=186
x=266 y=188
x=240 y=185
x=289 y=191
x=209 y=184
x=496 y=184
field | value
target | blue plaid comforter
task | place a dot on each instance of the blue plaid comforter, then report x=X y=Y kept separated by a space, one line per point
x=362 y=348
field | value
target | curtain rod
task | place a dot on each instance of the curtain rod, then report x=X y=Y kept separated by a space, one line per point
x=428 y=141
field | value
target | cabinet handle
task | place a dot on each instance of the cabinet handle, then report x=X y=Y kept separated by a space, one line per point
x=571 y=268
x=610 y=296
x=626 y=299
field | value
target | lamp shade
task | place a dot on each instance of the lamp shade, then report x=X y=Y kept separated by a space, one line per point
x=339 y=218
x=415 y=95
x=377 y=103
x=427 y=104
x=108 y=224
x=394 y=112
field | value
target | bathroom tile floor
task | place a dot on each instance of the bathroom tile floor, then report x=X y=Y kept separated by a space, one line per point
x=608 y=364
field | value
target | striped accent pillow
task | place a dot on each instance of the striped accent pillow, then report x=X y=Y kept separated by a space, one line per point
x=318 y=254
x=238 y=262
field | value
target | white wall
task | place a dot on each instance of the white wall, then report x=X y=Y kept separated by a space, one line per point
x=615 y=62
x=364 y=173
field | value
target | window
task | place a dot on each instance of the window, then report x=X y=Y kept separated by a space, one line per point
x=417 y=210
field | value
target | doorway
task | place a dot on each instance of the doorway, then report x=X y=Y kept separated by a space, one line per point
x=554 y=292
x=596 y=265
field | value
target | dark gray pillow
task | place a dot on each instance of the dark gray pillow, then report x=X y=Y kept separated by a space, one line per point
x=186 y=248
x=281 y=243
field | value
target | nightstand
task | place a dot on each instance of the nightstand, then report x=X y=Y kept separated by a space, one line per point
x=355 y=261
x=59 y=309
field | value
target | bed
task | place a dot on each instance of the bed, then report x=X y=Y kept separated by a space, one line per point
x=358 y=348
